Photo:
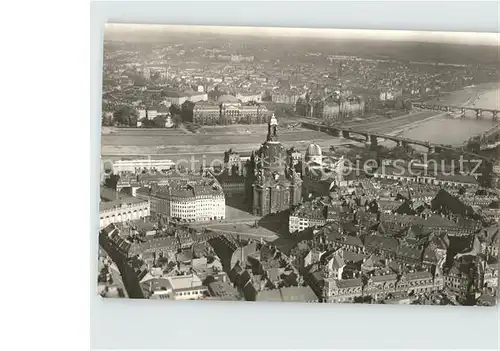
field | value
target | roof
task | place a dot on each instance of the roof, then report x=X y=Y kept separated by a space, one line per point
x=227 y=98
x=408 y=251
x=348 y=283
x=430 y=221
x=154 y=284
x=337 y=261
x=288 y=294
x=352 y=240
x=121 y=201
x=175 y=93
x=383 y=278
x=184 y=281
x=298 y=294
x=273 y=274
x=418 y=275
x=243 y=253
x=184 y=255
x=153 y=244
x=313 y=150
x=445 y=200
x=388 y=205
x=457 y=178
x=223 y=290
x=380 y=242
x=351 y=256
x=269 y=295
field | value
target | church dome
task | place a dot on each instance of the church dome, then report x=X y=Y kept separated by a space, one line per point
x=313 y=150
x=227 y=99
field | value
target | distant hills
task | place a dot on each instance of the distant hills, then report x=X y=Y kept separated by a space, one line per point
x=409 y=50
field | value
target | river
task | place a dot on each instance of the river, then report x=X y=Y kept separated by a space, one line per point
x=451 y=130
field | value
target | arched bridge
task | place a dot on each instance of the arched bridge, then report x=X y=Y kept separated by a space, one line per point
x=480 y=112
x=374 y=137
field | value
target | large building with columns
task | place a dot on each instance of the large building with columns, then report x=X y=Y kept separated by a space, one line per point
x=121 y=209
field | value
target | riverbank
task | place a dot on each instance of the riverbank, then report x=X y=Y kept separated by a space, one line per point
x=466 y=96
x=445 y=129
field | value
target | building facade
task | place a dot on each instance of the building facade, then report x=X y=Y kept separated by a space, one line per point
x=282 y=97
x=122 y=210
x=178 y=98
x=139 y=165
x=193 y=201
x=228 y=109
x=249 y=97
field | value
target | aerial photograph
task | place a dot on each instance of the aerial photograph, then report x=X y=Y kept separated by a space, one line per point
x=299 y=165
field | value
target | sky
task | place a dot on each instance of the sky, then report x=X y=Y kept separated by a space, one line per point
x=491 y=39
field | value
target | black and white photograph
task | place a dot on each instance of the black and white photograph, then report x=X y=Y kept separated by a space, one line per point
x=299 y=165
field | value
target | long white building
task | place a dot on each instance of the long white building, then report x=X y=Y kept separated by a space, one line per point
x=120 y=166
x=121 y=210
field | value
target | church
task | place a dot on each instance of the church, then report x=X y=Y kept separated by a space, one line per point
x=276 y=186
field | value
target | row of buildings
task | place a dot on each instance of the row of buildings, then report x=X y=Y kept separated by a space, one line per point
x=193 y=200
x=332 y=106
x=188 y=199
x=176 y=264
x=342 y=268
x=229 y=109
x=116 y=207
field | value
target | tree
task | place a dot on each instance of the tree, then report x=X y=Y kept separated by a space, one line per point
x=125 y=115
x=177 y=120
x=139 y=81
x=301 y=107
x=175 y=110
x=159 y=121
x=112 y=181
x=408 y=105
x=132 y=120
x=105 y=121
x=399 y=103
x=187 y=111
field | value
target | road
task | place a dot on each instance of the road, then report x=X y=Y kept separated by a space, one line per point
x=251 y=235
x=243 y=226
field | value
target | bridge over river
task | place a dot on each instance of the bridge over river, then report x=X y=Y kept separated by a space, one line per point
x=480 y=112
x=373 y=138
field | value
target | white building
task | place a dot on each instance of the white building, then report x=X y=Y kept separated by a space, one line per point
x=182 y=287
x=197 y=201
x=249 y=97
x=122 y=210
x=197 y=204
x=186 y=287
x=178 y=98
x=298 y=224
x=314 y=155
x=141 y=113
x=141 y=164
x=152 y=114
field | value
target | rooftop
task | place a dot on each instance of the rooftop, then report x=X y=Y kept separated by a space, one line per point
x=184 y=282
x=227 y=99
x=288 y=294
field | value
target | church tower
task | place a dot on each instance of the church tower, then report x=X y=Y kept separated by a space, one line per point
x=277 y=186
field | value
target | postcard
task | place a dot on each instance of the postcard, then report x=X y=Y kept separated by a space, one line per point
x=299 y=165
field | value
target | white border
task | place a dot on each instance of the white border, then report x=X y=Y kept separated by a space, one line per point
x=130 y=324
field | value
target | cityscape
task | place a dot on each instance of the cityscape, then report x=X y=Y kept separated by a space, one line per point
x=248 y=165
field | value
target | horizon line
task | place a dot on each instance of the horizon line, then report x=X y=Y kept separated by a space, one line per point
x=464 y=38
